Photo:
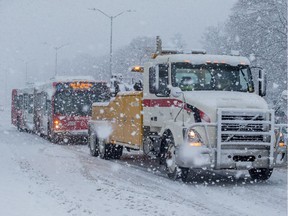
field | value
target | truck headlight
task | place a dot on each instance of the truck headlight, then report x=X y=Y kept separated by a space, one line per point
x=193 y=138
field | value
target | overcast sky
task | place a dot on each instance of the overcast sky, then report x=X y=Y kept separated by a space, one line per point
x=30 y=29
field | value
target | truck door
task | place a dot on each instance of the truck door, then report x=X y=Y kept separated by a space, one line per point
x=160 y=107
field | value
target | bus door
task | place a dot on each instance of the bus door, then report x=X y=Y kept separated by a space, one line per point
x=41 y=116
x=46 y=114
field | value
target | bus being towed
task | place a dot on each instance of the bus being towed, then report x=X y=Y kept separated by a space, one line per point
x=58 y=109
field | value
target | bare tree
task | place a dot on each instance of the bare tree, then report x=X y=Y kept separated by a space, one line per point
x=258 y=28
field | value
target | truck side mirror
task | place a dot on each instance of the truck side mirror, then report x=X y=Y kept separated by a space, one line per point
x=176 y=92
x=262 y=83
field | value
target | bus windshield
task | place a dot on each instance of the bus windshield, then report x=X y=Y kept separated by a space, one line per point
x=78 y=102
x=215 y=77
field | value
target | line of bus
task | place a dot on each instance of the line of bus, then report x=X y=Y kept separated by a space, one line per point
x=59 y=109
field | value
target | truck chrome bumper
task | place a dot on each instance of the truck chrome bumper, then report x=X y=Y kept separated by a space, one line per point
x=244 y=159
x=194 y=157
x=205 y=158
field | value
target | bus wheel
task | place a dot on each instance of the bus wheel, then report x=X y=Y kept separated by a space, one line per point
x=52 y=137
x=18 y=125
x=261 y=174
x=94 y=148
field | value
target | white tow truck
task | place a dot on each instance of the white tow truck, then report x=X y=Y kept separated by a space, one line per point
x=196 y=111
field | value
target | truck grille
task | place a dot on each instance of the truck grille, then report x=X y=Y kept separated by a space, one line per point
x=244 y=127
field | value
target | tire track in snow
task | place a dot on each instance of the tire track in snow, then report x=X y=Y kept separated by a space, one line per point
x=152 y=189
x=194 y=190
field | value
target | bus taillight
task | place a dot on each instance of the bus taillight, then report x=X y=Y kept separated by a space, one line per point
x=57 y=124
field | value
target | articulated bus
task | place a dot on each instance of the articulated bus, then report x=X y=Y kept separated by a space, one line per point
x=59 y=109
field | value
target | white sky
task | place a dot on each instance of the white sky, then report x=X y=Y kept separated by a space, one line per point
x=29 y=29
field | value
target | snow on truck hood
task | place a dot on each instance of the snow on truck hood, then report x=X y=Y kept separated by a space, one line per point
x=208 y=102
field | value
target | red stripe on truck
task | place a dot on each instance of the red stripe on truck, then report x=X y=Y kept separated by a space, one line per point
x=162 y=103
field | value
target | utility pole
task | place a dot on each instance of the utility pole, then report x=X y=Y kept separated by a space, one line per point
x=56 y=56
x=26 y=68
x=26 y=71
x=111 y=33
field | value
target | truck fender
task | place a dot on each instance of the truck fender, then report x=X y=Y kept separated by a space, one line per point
x=175 y=131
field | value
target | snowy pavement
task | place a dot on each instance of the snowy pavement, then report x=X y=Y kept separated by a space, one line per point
x=40 y=178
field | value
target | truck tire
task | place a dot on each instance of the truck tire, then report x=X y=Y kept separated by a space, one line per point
x=261 y=174
x=173 y=171
x=148 y=147
x=105 y=149
x=93 y=146
x=117 y=151
x=184 y=174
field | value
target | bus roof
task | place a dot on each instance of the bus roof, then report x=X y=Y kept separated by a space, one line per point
x=72 y=78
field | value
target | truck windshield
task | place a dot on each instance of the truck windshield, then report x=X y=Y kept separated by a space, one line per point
x=212 y=77
x=71 y=102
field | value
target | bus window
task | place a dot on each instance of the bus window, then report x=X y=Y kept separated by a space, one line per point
x=48 y=107
x=20 y=102
x=30 y=104
x=79 y=102
x=25 y=101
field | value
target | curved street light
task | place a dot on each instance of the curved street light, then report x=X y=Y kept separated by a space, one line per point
x=111 y=30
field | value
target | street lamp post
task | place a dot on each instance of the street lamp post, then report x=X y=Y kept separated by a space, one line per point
x=56 y=56
x=26 y=68
x=111 y=31
x=26 y=71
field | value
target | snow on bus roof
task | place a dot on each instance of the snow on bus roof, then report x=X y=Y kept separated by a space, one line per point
x=72 y=78
x=204 y=59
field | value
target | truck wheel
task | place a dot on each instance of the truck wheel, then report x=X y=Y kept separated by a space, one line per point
x=105 y=150
x=117 y=151
x=93 y=146
x=148 y=147
x=184 y=174
x=260 y=174
x=173 y=171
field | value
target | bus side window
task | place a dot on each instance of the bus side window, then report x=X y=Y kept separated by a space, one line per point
x=38 y=100
x=30 y=104
x=25 y=101
x=48 y=107
x=43 y=101
x=16 y=102
x=20 y=102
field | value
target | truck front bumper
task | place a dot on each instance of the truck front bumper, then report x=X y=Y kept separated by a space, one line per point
x=194 y=157
x=205 y=158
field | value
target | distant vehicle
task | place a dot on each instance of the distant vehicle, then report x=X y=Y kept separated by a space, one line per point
x=281 y=129
x=118 y=83
x=281 y=108
x=58 y=109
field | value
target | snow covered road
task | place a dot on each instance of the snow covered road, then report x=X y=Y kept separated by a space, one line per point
x=40 y=178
